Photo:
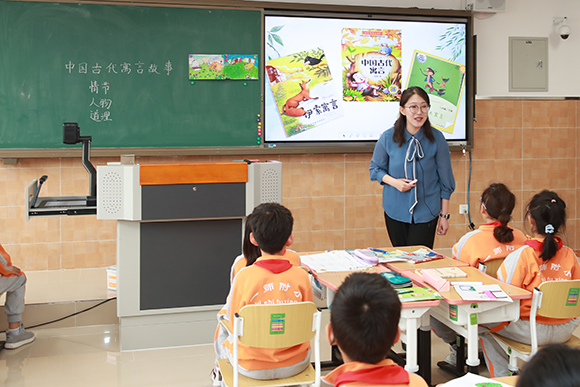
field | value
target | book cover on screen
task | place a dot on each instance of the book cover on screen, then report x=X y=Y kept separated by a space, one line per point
x=444 y=81
x=304 y=90
x=371 y=60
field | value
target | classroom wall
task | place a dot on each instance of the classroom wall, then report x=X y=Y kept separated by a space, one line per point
x=528 y=145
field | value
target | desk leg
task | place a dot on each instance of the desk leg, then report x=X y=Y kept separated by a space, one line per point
x=472 y=348
x=411 y=364
x=425 y=353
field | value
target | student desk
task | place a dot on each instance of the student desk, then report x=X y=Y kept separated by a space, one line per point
x=411 y=314
x=424 y=336
x=464 y=317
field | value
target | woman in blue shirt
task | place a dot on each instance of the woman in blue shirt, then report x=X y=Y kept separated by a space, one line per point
x=412 y=162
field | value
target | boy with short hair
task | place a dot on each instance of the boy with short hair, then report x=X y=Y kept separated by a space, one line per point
x=270 y=280
x=364 y=324
x=12 y=281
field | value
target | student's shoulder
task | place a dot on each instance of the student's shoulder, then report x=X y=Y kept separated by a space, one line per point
x=416 y=381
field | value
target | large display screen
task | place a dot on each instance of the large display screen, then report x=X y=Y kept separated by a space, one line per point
x=340 y=79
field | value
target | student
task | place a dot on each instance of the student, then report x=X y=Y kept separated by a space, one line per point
x=271 y=279
x=251 y=252
x=364 y=324
x=494 y=239
x=541 y=259
x=12 y=281
x=553 y=365
x=411 y=161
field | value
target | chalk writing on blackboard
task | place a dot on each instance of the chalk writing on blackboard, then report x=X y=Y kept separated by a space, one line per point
x=125 y=68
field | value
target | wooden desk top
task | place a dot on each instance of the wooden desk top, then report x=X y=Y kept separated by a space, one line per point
x=474 y=275
x=334 y=279
x=402 y=266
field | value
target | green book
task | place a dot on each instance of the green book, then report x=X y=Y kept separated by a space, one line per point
x=417 y=294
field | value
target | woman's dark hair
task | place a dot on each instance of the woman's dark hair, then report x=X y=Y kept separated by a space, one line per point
x=499 y=203
x=251 y=251
x=548 y=211
x=399 y=134
x=553 y=365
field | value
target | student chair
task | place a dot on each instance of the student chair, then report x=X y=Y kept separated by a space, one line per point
x=492 y=266
x=555 y=299
x=274 y=326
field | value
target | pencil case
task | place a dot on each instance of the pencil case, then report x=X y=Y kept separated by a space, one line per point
x=398 y=281
x=366 y=256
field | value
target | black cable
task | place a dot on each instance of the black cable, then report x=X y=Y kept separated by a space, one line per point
x=70 y=315
x=471 y=225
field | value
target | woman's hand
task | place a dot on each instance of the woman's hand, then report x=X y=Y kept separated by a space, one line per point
x=404 y=185
x=443 y=226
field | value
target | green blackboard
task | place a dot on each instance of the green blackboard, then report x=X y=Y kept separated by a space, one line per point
x=121 y=72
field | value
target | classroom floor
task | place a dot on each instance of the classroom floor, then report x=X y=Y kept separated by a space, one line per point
x=89 y=356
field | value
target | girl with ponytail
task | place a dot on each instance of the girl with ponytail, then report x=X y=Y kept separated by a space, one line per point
x=542 y=258
x=494 y=239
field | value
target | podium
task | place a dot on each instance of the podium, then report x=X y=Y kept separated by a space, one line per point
x=179 y=228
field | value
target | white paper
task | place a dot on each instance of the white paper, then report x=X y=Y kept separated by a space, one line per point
x=470 y=379
x=478 y=292
x=337 y=260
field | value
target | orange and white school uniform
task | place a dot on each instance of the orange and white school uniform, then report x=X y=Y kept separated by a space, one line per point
x=480 y=246
x=525 y=269
x=270 y=280
x=240 y=262
x=383 y=373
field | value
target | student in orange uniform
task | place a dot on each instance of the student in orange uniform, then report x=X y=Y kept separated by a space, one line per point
x=251 y=252
x=271 y=279
x=364 y=324
x=494 y=239
x=542 y=258
x=12 y=281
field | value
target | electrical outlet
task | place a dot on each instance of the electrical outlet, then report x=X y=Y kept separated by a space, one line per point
x=463 y=208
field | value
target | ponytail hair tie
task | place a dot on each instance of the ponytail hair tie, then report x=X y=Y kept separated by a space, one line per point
x=549 y=229
x=504 y=212
x=553 y=200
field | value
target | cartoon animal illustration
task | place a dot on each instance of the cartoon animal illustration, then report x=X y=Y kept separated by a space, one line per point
x=385 y=49
x=312 y=61
x=215 y=66
x=291 y=107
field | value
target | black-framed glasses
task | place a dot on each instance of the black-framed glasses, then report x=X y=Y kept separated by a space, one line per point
x=480 y=202
x=415 y=108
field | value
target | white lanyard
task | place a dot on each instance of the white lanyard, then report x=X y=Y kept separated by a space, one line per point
x=414 y=152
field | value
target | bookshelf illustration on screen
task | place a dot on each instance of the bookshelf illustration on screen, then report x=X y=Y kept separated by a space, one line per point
x=304 y=90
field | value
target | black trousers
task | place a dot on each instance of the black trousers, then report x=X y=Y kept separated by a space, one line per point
x=411 y=234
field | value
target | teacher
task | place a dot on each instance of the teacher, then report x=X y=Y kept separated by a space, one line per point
x=412 y=162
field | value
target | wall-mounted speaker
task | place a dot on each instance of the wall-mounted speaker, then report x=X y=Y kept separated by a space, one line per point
x=484 y=5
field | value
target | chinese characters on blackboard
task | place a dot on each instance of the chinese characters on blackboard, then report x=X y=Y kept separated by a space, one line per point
x=100 y=104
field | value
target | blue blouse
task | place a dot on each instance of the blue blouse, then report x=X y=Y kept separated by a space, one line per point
x=428 y=162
